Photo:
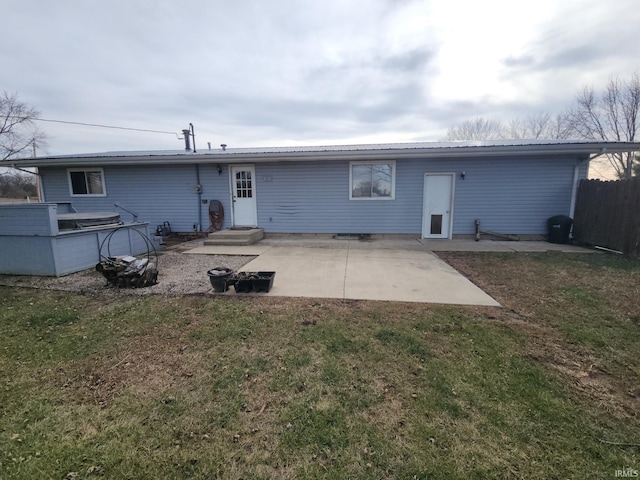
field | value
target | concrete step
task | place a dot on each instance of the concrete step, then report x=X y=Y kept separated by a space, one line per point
x=256 y=233
x=235 y=237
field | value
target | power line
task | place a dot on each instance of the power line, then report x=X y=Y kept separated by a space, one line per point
x=105 y=126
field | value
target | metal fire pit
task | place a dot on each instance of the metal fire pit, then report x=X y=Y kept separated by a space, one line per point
x=126 y=271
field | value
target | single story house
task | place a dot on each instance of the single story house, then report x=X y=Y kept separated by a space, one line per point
x=430 y=190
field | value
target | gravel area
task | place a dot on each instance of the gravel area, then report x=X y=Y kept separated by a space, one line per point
x=178 y=274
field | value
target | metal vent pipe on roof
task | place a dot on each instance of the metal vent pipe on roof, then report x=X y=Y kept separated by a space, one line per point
x=224 y=146
x=187 y=141
x=193 y=135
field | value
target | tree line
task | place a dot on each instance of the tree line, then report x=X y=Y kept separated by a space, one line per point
x=18 y=185
x=609 y=114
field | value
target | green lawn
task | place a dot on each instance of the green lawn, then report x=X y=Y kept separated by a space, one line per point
x=219 y=387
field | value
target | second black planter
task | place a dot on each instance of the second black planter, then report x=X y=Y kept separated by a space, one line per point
x=253 y=281
x=243 y=282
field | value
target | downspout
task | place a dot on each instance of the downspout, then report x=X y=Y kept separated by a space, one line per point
x=576 y=172
x=40 y=187
x=198 y=227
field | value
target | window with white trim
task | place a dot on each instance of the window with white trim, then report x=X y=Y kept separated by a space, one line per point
x=89 y=182
x=372 y=180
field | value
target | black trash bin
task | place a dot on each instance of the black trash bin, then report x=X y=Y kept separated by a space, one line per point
x=559 y=228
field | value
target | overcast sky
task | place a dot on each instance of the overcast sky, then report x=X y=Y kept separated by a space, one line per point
x=294 y=72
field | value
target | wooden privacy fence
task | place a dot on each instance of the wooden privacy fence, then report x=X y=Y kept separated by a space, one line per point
x=608 y=215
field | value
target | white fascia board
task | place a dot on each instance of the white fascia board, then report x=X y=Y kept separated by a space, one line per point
x=387 y=152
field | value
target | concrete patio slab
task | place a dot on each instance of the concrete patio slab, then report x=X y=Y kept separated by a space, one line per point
x=365 y=274
x=403 y=269
x=410 y=244
x=460 y=245
x=546 y=247
x=338 y=253
x=409 y=277
x=310 y=273
x=252 y=250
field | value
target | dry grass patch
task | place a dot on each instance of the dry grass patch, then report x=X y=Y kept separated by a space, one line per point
x=579 y=312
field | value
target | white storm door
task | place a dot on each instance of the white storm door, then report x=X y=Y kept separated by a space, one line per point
x=438 y=205
x=243 y=196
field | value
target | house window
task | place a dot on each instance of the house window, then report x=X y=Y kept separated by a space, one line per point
x=372 y=180
x=87 y=182
x=243 y=184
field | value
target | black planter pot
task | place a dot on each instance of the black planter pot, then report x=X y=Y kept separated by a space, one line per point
x=220 y=278
x=243 y=282
x=263 y=281
x=246 y=282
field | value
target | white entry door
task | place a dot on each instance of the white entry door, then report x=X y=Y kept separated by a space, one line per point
x=438 y=205
x=243 y=196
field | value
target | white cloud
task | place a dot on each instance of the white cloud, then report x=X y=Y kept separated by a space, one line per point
x=262 y=73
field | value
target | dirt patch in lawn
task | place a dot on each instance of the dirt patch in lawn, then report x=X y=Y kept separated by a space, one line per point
x=144 y=366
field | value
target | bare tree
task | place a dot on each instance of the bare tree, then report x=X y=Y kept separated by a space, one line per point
x=539 y=125
x=610 y=115
x=17 y=130
x=478 y=128
x=17 y=185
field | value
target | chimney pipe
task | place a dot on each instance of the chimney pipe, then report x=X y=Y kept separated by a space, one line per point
x=193 y=135
x=224 y=146
x=187 y=142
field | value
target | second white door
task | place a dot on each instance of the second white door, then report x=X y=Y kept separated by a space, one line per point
x=438 y=204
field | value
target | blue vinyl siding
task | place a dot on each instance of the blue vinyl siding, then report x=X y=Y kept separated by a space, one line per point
x=26 y=255
x=156 y=193
x=314 y=198
x=28 y=219
x=510 y=195
x=79 y=250
x=38 y=248
x=507 y=194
